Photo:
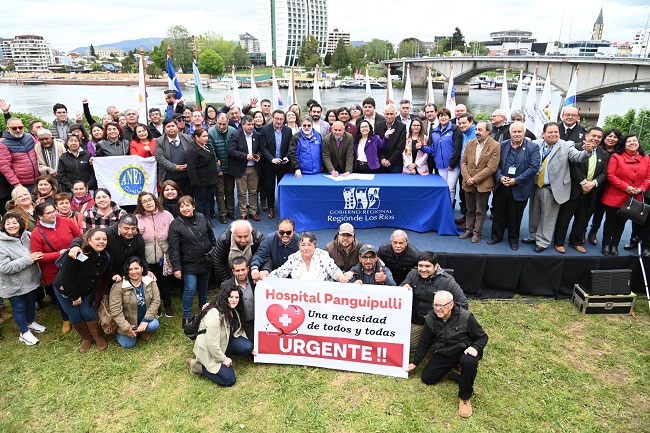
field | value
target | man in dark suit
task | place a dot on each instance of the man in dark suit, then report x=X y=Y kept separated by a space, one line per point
x=170 y=156
x=391 y=157
x=370 y=115
x=274 y=144
x=586 y=180
x=338 y=151
x=244 y=153
x=405 y=114
x=515 y=180
x=571 y=130
x=241 y=278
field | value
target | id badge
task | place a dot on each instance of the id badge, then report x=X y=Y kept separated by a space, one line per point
x=512 y=170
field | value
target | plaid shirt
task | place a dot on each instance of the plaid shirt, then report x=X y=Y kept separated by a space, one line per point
x=94 y=219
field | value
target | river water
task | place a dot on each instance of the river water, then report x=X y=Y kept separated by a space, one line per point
x=38 y=100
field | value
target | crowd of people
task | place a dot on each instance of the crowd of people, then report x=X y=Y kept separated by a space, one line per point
x=64 y=237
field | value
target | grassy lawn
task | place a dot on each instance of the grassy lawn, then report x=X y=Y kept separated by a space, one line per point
x=546 y=369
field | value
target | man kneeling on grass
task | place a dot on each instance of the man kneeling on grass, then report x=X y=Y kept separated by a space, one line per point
x=457 y=338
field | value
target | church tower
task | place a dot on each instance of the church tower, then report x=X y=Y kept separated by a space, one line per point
x=598 y=27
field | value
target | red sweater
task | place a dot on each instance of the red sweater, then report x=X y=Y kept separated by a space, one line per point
x=622 y=171
x=137 y=148
x=60 y=238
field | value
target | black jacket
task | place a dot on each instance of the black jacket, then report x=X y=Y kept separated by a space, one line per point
x=73 y=168
x=201 y=166
x=399 y=265
x=424 y=290
x=451 y=338
x=576 y=134
x=79 y=279
x=396 y=142
x=223 y=247
x=190 y=239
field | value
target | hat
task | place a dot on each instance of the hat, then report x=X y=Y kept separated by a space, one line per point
x=367 y=248
x=178 y=116
x=346 y=228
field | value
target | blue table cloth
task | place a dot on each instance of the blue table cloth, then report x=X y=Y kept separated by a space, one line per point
x=418 y=203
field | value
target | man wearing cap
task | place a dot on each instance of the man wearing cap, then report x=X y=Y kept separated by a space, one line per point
x=371 y=270
x=182 y=125
x=344 y=249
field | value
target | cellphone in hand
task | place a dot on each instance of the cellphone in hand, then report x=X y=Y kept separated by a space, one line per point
x=82 y=257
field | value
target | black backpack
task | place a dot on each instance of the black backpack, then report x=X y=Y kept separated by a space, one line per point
x=192 y=328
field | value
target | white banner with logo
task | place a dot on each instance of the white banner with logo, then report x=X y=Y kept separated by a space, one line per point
x=126 y=177
x=351 y=327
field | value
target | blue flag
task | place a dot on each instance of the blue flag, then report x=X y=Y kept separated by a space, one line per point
x=172 y=80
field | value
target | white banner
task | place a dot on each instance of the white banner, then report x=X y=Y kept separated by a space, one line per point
x=126 y=176
x=351 y=327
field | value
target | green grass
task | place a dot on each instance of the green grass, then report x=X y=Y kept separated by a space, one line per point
x=546 y=369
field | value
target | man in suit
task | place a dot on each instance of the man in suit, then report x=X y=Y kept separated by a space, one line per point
x=518 y=163
x=429 y=124
x=587 y=178
x=318 y=125
x=405 y=114
x=274 y=144
x=369 y=114
x=243 y=154
x=241 y=278
x=391 y=157
x=553 y=183
x=571 y=130
x=338 y=151
x=478 y=165
x=170 y=156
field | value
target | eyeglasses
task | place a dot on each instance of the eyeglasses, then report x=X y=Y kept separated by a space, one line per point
x=367 y=258
x=16 y=128
x=306 y=125
x=438 y=306
x=571 y=115
x=150 y=200
x=285 y=233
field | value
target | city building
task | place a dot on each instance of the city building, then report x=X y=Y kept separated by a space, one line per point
x=249 y=43
x=107 y=52
x=640 y=43
x=5 y=49
x=510 y=41
x=284 y=24
x=31 y=53
x=333 y=38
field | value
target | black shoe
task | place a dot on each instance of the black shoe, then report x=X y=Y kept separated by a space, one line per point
x=613 y=250
x=539 y=249
x=231 y=215
x=213 y=214
x=169 y=311
x=528 y=241
x=605 y=250
x=514 y=246
x=492 y=241
x=184 y=322
x=634 y=241
x=593 y=240
x=222 y=219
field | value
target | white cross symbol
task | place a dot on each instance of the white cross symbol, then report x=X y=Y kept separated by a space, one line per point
x=285 y=320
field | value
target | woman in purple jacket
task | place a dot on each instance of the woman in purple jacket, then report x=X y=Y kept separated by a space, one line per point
x=366 y=144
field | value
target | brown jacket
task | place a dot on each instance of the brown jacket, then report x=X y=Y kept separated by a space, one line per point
x=482 y=171
x=333 y=156
x=345 y=261
x=124 y=304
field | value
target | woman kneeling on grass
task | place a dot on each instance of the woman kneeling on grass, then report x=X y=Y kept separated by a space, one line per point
x=224 y=336
x=134 y=302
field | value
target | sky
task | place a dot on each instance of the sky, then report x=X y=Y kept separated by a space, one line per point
x=67 y=24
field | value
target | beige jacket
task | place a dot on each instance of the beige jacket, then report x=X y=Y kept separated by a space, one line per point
x=124 y=304
x=210 y=347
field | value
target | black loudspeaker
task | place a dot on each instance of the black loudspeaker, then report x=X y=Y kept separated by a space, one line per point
x=606 y=282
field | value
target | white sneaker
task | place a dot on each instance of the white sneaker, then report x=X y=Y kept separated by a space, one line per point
x=36 y=327
x=28 y=338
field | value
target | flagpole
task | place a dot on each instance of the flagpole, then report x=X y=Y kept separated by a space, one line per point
x=144 y=80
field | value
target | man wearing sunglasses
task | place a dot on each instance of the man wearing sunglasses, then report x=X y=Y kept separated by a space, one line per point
x=19 y=164
x=275 y=249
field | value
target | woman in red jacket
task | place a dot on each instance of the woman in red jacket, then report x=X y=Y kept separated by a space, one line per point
x=628 y=175
x=52 y=237
x=143 y=143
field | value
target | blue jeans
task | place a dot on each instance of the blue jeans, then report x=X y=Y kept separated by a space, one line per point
x=203 y=203
x=226 y=375
x=194 y=282
x=128 y=342
x=23 y=309
x=83 y=312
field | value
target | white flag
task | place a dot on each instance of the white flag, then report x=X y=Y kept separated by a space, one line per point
x=408 y=93
x=255 y=94
x=518 y=99
x=390 y=99
x=277 y=98
x=505 y=103
x=126 y=176
x=531 y=104
x=450 y=103
x=142 y=91
x=543 y=112
x=291 y=92
x=368 y=88
x=316 y=94
x=570 y=98
x=235 y=90
x=430 y=99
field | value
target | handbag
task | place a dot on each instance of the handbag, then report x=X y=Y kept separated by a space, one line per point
x=165 y=263
x=104 y=316
x=634 y=210
x=192 y=330
x=58 y=262
x=210 y=256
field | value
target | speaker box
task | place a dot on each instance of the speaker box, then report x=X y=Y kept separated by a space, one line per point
x=606 y=282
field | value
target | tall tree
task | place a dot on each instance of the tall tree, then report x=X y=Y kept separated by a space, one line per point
x=127 y=65
x=378 y=50
x=159 y=55
x=210 y=63
x=180 y=40
x=458 y=40
x=327 y=61
x=358 y=57
x=92 y=51
x=341 y=56
x=217 y=43
x=309 y=56
x=240 y=56
x=411 y=47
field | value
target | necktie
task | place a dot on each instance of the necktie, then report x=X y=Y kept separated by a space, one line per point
x=592 y=167
x=540 y=179
x=430 y=128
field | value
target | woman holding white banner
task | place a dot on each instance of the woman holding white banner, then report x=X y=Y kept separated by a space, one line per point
x=114 y=144
x=224 y=336
x=310 y=263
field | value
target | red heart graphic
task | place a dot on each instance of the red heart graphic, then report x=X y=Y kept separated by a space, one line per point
x=287 y=319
